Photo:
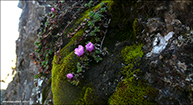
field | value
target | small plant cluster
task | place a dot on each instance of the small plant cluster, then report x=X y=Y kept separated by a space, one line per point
x=96 y=29
x=50 y=39
x=82 y=25
x=89 y=4
x=95 y=26
x=86 y=56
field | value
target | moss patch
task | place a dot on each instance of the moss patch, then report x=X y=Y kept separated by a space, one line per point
x=129 y=91
x=63 y=91
x=130 y=54
x=88 y=96
x=136 y=29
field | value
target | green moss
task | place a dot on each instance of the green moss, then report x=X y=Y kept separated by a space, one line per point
x=61 y=88
x=131 y=93
x=87 y=96
x=130 y=53
x=135 y=28
x=63 y=91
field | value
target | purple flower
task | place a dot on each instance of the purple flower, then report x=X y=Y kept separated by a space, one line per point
x=52 y=9
x=69 y=75
x=89 y=47
x=79 y=51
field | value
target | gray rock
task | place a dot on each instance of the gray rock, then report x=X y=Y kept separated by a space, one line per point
x=20 y=89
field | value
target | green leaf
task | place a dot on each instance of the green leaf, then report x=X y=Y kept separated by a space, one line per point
x=97 y=17
x=92 y=33
x=91 y=2
x=53 y=15
x=91 y=14
x=38 y=50
x=39 y=38
x=39 y=46
x=44 y=63
x=98 y=51
x=103 y=9
x=91 y=24
x=98 y=58
x=38 y=55
x=97 y=39
x=74 y=82
x=85 y=5
x=78 y=64
x=89 y=5
x=56 y=36
x=102 y=4
x=86 y=63
x=36 y=76
x=40 y=33
x=37 y=43
x=46 y=23
x=47 y=55
x=50 y=52
x=79 y=69
x=47 y=59
x=96 y=29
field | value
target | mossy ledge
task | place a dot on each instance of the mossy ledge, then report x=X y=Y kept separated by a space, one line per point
x=128 y=91
x=63 y=91
x=131 y=91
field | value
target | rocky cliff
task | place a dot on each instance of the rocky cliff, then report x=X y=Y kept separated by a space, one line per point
x=22 y=87
x=104 y=52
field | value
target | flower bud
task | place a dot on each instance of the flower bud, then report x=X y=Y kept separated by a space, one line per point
x=52 y=9
x=69 y=75
x=89 y=47
x=79 y=51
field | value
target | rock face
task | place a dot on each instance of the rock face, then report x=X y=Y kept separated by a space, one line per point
x=22 y=87
x=142 y=53
x=168 y=59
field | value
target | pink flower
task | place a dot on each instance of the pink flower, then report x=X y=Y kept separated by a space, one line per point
x=79 y=51
x=69 y=75
x=52 y=9
x=89 y=47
